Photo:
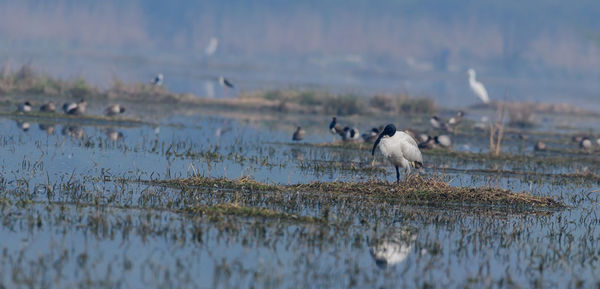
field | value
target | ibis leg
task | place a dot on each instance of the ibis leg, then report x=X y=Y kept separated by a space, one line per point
x=397 y=174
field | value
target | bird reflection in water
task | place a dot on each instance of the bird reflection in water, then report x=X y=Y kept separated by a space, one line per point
x=113 y=135
x=23 y=125
x=393 y=247
x=48 y=128
x=73 y=131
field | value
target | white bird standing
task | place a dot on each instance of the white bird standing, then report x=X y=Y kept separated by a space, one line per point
x=477 y=86
x=399 y=148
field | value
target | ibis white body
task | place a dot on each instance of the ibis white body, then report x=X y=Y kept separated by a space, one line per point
x=477 y=87
x=399 y=148
x=393 y=248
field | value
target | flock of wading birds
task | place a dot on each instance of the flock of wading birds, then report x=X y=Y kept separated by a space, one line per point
x=400 y=148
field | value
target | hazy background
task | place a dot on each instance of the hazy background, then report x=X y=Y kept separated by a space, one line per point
x=539 y=50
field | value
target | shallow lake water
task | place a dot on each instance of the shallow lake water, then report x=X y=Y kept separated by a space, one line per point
x=74 y=215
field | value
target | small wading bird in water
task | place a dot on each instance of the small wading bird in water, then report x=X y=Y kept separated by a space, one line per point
x=114 y=109
x=225 y=83
x=399 y=148
x=299 y=134
x=158 y=80
x=477 y=86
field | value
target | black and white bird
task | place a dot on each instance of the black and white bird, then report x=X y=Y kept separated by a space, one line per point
x=48 y=107
x=75 y=108
x=456 y=119
x=585 y=143
x=114 y=109
x=24 y=107
x=335 y=128
x=435 y=122
x=477 y=87
x=158 y=80
x=224 y=82
x=370 y=136
x=399 y=148
x=351 y=134
x=443 y=140
x=427 y=143
x=299 y=134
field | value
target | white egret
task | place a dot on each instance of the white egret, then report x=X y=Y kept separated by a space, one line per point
x=477 y=87
x=399 y=148
x=211 y=48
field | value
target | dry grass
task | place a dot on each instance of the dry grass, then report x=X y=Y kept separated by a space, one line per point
x=414 y=189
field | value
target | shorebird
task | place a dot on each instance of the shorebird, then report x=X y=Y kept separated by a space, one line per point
x=158 y=80
x=335 y=128
x=456 y=119
x=75 y=108
x=435 y=122
x=114 y=109
x=370 y=136
x=399 y=148
x=224 y=82
x=585 y=143
x=427 y=143
x=477 y=87
x=48 y=107
x=443 y=140
x=350 y=134
x=299 y=134
x=539 y=146
x=24 y=107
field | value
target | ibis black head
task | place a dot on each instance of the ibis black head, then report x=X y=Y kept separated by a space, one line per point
x=389 y=130
x=121 y=109
x=27 y=103
x=333 y=123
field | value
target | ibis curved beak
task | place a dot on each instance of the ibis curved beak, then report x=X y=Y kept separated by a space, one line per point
x=376 y=143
